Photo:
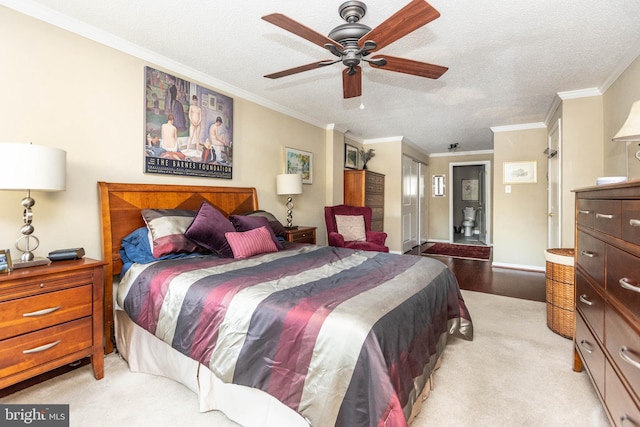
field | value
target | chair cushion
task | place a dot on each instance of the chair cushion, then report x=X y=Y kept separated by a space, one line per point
x=351 y=227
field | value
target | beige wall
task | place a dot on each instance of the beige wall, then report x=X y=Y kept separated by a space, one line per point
x=617 y=103
x=64 y=91
x=520 y=217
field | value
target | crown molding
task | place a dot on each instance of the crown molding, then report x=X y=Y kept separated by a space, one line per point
x=523 y=126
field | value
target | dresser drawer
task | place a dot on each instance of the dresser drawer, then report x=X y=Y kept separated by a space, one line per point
x=374 y=200
x=371 y=178
x=33 y=349
x=377 y=214
x=623 y=278
x=28 y=286
x=585 y=213
x=373 y=188
x=29 y=314
x=591 y=354
x=623 y=344
x=377 y=226
x=623 y=410
x=590 y=256
x=607 y=217
x=631 y=221
x=591 y=304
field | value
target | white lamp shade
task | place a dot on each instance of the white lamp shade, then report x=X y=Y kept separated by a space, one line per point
x=289 y=183
x=32 y=167
x=630 y=131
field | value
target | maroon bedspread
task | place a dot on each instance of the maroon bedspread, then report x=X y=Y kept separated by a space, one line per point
x=343 y=337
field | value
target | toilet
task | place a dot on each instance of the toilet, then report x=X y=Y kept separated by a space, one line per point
x=469 y=221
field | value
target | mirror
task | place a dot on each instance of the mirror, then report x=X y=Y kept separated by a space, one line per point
x=438 y=185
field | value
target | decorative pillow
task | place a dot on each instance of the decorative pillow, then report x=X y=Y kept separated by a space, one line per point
x=166 y=231
x=278 y=228
x=351 y=227
x=253 y=242
x=208 y=230
x=246 y=223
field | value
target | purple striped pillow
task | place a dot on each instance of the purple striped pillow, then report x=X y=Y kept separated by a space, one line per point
x=248 y=243
x=166 y=229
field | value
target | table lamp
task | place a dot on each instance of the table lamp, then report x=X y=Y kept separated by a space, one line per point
x=30 y=167
x=289 y=184
x=630 y=131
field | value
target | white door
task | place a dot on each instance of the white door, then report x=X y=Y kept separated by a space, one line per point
x=410 y=200
x=553 y=191
x=423 y=209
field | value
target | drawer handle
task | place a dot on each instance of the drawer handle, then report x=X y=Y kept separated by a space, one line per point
x=634 y=222
x=624 y=282
x=587 y=347
x=604 y=216
x=41 y=312
x=583 y=299
x=584 y=212
x=587 y=254
x=41 y=348
x=624 y=356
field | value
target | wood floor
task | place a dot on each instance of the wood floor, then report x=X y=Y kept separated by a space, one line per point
x=472 y=275
x=480 y=276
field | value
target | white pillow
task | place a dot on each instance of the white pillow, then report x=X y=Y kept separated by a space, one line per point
x=351 y=227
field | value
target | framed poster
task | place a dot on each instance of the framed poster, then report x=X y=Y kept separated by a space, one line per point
x=188 y=128
x=470 y=189
x=298 y=161
x=350 y=156
x=520 y=172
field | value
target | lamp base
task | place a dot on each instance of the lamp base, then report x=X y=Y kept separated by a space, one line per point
x=292 y=227
x=18 y=263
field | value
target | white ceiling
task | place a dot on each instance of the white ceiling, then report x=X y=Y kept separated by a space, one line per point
x=507 y=59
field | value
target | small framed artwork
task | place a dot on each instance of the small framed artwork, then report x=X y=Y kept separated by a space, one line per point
x=5 y=261
x=520 y=172
x=470 y=189
x=298 y=161
x=350 y=156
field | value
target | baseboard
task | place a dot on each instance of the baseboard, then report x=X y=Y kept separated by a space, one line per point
x=518 y=267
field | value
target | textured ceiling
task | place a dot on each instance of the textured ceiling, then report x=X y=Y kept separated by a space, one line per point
x=507 y=59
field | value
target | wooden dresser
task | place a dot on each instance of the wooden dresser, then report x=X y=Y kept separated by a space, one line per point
x=50 y=316
x=366 y=188
x=607 y=335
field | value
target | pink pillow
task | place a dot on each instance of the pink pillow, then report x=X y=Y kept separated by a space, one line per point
x=253 y=242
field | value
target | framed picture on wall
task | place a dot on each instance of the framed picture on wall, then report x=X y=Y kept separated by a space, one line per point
x=350 y=157
x=298 y=161
x=520 y=172
x=470 y=189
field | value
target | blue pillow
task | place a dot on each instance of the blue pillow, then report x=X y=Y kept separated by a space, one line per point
x=136 y=249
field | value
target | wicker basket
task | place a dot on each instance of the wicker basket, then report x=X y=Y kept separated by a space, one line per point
x=560 y=291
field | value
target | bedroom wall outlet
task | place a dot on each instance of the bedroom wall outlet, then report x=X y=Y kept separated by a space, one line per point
x=507 y=189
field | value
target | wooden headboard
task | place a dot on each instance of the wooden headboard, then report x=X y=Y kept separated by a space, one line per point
x=120 y=206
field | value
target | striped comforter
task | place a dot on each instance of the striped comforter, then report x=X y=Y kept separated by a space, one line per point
x=343 y=337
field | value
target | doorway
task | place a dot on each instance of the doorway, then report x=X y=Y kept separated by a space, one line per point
x=470 y=190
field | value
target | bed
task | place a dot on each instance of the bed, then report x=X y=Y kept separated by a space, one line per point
x=303 y=335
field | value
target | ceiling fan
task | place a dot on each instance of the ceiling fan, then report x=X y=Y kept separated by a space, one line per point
x=353 y=42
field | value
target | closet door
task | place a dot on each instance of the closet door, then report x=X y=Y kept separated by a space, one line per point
x=410 y=203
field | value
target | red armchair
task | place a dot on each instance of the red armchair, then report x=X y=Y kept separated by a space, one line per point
x=375 y=240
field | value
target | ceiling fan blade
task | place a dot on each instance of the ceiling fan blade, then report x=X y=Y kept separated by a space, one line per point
x=298 y=29
x=408 y=66
x=297 y=70
x=408 y=19
x=352 y=83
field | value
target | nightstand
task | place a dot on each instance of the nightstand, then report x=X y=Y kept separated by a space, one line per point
x=50 y=316
x=302 y=234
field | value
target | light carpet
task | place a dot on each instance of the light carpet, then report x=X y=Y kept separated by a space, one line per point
x=516 y=372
